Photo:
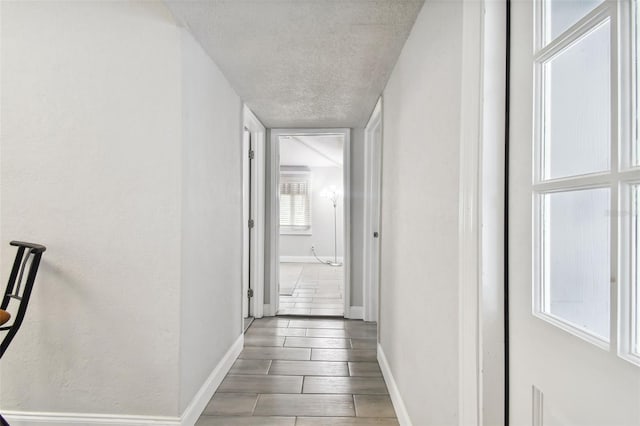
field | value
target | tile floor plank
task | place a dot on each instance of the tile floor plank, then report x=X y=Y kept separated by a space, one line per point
x=231 y=404
x=308 y=368
x=373 y=406
x=343 y=355
x=317 y=342
x=277 y=331
x=306 y=323
x=364 y=344
x=345 y=421
x=304 y=405
x=245 y=421
x=348 y=385
x=364 y=369
x=250 y=366
x=299 y=354
x=261 y=384
x=258 y=340
x=327 y=332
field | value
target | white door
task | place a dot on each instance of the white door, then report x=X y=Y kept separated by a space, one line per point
x=571 y=335
x=373 y=157
x=246 y=215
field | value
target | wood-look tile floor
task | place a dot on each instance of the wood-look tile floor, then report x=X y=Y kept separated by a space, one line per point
x=304 y=372
x=311 y=289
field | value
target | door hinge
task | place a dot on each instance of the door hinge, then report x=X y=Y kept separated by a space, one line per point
x=250 y=292
x=251 y=223
x=252 y=154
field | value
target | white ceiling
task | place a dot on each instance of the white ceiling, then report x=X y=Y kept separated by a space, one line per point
x=303 y=63
x=311 y=151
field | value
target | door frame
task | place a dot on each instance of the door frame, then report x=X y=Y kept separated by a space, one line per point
x=372 y=205
x=252 y=124
x=274 y=225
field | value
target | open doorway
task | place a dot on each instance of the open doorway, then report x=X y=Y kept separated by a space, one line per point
x=310 y=203
x=253 y=218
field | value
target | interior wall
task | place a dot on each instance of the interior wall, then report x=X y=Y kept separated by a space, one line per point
x=322 y=226
x=210 y=297
x=420 y=207
x=90 y=149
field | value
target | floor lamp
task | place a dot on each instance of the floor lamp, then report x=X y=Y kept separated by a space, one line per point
x=332 y=195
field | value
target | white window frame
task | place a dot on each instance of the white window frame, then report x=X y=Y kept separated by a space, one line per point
x=285 y=230
x=627 y=333
x=545 y=51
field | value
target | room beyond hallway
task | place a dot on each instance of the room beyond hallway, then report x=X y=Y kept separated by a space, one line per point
x=314 y=289
x=304 y=372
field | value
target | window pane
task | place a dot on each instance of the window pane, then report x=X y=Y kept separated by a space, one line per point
x=285 y=210
x=577 y=117
x=564 y=13
x=576 y=271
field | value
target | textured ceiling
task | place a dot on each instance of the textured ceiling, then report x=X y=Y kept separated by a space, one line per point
x=303 y=63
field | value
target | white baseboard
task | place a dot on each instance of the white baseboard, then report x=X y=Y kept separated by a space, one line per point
x=306 y=259
x=188 y=418
x=30 y=418
x=202 y=398
x=394 y=393
x=355 y=312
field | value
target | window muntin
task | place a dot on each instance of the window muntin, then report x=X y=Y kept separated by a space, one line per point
x=577 y=108
x=295 y=203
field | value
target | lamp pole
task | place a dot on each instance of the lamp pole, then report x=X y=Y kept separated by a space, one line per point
x=334 y=200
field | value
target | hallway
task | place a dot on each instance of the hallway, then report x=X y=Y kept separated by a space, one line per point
x=304 y=372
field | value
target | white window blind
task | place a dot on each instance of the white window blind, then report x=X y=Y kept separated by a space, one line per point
x=295 y=202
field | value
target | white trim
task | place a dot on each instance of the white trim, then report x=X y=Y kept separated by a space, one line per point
x=204 y=395
x=274 y=226
x=469 y=218
x=354 y=312
x=396 y=399
x=268 y=310
x=258 y=135
x=25 y=418
x=372 y=203
x=188 y=418
x=307 y=259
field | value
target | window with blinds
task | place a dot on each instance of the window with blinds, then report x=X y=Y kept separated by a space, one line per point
x=295 y=203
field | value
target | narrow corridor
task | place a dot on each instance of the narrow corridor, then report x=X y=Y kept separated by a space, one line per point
x=304 y=372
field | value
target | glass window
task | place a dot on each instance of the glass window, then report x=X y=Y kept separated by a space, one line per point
x=564 y=13
x=576 y=268
x=295 y=202
x=577 y=116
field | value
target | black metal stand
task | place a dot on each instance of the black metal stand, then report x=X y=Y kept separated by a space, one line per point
x=15 y=290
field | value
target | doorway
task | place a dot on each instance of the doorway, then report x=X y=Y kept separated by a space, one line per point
x=253 y=217
x=372 y=207
x=310 y=222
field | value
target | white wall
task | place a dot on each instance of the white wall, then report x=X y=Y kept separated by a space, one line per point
x=120 y=151
x=211 y=219
x=419 y=234
x=90 y=151
x=321 y=219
